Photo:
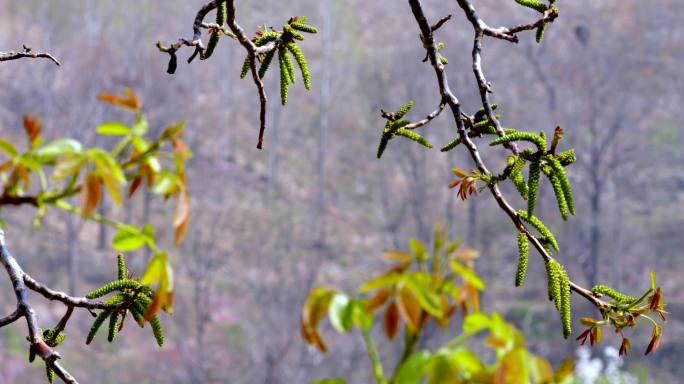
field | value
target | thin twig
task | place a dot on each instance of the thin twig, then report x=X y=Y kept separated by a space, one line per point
x=27 y=53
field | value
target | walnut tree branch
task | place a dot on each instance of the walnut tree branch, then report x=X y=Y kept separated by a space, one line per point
x=22 y=283
x=27 y=53
x=252 y=51
x=448 y=97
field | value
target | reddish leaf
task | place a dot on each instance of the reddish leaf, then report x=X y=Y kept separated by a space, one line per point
x=391 y=320
x=91 y=193
x=182 y=217
x=32 y=127
x=409 y=308
x=378 y=300
x=128 y=101
x=135 y=184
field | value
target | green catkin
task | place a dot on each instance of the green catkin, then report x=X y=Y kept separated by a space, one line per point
x=517 y=177
x=246 y=66
x=414 y=136
x=289 y=30
x=137 y=314
x=50 y=373
x=403 y=110
x=540 y=227
x=523 y=253
x=566 y=157
x=554 y=280
x=395 y=125
x=266 y=38
x=300 y=26
x=383 y=144
x=452 y=144
x=113 y=326
x=443 y=60
x=113 y=286
x=603 y=290
x=97 y=324
x=215 y=36
x=284 y=77
x=559 y=171
x=157 y=330
x=289 y=65
x=565 y=304
x=266 y=63
x=540 y=33
x=533 y=4
x=522 y=136
x=140 y=306
x=121 y=266
x=301 y=61
x=481 y=114
x=558 y=192
x=533 y=185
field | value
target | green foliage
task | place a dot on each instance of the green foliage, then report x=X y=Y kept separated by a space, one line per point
x=559 y=173
x=414 y=137
x=246 y=65
x=113 y=326
x=523 y=252
x=301 y=61
x=522 y=136
x=118 y=285
x=283 y=42
x=516 y=176
x=284 y=76
x=215 y=34
x=416 y=289
x=533 y=4
x=541 y=228
x=540 y=33
x=101 y=317
x=395 y=127
x=559 y=292
x=133 y=296
x=50 y=374
x=603 y=290
x=121 y=266
x=401 y=112
x=266 y=62
x=533 y=184
x=451 y=145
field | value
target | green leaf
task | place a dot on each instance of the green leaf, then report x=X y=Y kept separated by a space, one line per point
x=413 y=369
x=167 y=184
x=468 y=275
x=59 y=148
x=379 y=282
x=156 y=269
x=361 y=317
x=340 y=313
x=475 y=322
x=429 y=300
x=338 y=380
x=418 y=249
x=8 y=148
x=113 y=128
x=140 y=126
x=129 y=238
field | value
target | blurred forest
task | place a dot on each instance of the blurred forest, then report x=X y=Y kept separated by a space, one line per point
x=315 y=206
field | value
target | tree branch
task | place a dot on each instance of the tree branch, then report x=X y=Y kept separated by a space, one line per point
x=452 y=101
x=24 y=309
x=27 y=53
x=252 y=53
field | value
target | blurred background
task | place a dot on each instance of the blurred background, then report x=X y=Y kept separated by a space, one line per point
x=316 y=206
